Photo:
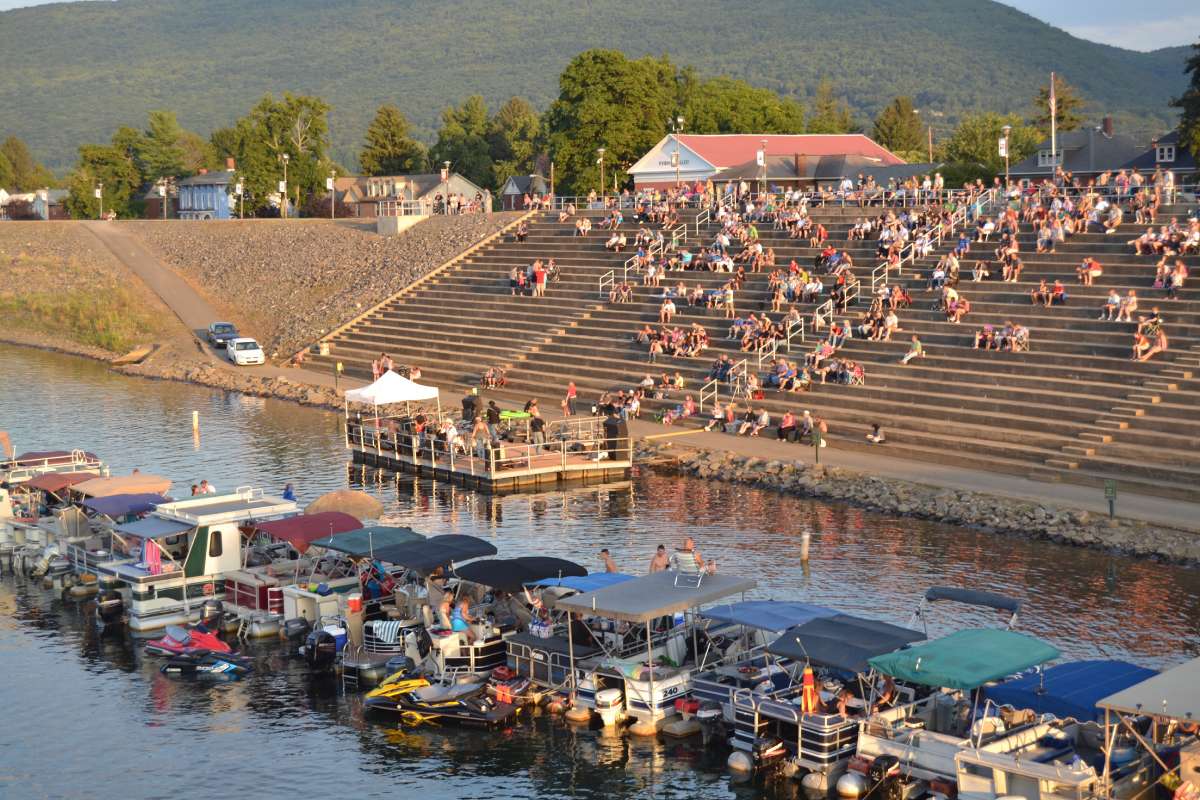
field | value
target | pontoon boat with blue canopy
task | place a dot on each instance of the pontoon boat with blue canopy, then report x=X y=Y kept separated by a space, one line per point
x=512 y=574
x=115 y=506
x=585 y=583
x=1068 y=690
x=370 y=541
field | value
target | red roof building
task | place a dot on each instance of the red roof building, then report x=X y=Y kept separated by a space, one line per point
x=706 y=156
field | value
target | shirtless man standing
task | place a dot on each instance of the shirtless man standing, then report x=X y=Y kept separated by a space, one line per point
x=660 y=561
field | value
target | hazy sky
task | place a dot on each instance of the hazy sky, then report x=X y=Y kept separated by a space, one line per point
x=1138 y=26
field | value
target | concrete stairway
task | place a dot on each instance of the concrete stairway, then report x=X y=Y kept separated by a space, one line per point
x=1075 y=408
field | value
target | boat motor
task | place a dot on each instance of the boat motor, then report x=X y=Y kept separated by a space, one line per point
x=110 y=607
x=296 y=628
x=212 y=612
x=883 y=779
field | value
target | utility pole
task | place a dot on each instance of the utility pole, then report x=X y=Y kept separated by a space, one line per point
x=764 y=166
x=1004 y=152
x=930 y=144
x=676 y=129
x=100 y=197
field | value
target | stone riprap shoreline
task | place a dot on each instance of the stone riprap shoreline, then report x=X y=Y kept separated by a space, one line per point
x=288 y=282
x=977 y=510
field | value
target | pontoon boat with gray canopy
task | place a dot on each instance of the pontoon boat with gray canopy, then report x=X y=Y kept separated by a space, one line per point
x=643 y=666
x=775 y=725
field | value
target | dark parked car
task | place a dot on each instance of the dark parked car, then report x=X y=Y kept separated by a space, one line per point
x=220 y=333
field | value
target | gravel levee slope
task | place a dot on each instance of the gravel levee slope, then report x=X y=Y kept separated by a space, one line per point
x=288 y=282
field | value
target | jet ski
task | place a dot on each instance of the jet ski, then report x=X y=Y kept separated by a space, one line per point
x=385 y=697
x=459 y=703
x=207 y=665
x=181 y=641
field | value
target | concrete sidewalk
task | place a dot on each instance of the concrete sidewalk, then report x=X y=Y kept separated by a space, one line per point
x=1157 y=510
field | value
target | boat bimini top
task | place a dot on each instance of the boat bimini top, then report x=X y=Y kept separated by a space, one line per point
x=970 y=597
x=513 y=574
x=842 y=641
x=767 y=615
x=966 y=659
x=649 y=597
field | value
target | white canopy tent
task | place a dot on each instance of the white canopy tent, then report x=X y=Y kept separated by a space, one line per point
x=392 y=388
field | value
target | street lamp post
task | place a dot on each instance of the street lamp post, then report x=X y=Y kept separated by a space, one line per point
x=100 y=197
x=445 y=187
x=764 y=166
x=240 y=188
x=162 y=193
x=283 y=187
x=332 y=193
x=676 y=129
x=600 y=152
x=1004 y=151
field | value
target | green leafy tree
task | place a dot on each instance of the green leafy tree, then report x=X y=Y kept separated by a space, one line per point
x=159 y=149
x=1189 y=105
x=1068 y=105
x=975 y=144
x=726 y=105
x=513 y=134
x=898 y=127
x=198 y=153
x=27 y=174
x=607 y=100
x=389 y=148
x=829 y=115
x=296 y=125
x=462 y=140
x=112 y=166
x=7 y=180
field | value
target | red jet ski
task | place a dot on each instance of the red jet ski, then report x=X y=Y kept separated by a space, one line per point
x=180 y=641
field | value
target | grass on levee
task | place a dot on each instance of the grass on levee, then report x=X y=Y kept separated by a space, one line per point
x=86 y=305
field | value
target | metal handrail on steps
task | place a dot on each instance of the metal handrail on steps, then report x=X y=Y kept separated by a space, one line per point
x=416 y=283
x=702 y=218
x=711 y=388
x=608 y=279
x=790 y=332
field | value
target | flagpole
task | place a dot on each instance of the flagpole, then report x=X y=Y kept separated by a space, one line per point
x=1053 y=133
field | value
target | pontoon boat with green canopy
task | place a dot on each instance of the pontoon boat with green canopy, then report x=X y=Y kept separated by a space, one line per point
x=965 y=659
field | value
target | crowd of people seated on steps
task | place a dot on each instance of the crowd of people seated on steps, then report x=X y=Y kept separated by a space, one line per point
x=1010 y=337
x=532 y=280
x=1173 y=239
x=673 y=341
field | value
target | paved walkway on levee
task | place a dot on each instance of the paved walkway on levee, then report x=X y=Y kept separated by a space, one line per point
x=191 y=307
x=195 y=312
x=1159 y=510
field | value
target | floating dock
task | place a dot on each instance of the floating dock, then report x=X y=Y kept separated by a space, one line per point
x=575 y=450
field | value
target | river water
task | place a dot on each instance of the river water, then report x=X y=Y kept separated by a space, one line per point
x=87 y=715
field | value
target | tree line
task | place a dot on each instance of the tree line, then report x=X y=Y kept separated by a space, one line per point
x=605 y=100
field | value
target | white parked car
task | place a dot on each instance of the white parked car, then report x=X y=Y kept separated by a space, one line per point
x=243 y=352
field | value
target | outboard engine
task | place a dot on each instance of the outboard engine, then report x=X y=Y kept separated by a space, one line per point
x=320 y=650
x=296 y=628
x=212 y=613
x=883 y=779
x=110 y=607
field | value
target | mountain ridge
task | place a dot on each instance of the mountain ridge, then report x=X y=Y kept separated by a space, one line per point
x=111 y=62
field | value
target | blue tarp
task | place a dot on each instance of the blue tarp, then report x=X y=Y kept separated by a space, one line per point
x=768 y=615
x=1069 y=690
x=587 y=583
x=118 y=505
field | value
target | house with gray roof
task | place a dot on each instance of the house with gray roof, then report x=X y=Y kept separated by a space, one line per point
x=1089 y=150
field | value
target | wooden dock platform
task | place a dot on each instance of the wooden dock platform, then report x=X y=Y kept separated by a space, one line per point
x=576 y=451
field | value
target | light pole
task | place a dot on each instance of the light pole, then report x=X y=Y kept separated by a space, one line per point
x=600 y=152
x=764 y=166
x=162 y=194
x=240 y=188
x=445 y=187
x=676 y=129
x=100 y=197
x=283 y=187
x=1004 y=151
x=332 y=193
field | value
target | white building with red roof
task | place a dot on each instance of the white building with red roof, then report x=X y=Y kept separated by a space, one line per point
x=790 y=158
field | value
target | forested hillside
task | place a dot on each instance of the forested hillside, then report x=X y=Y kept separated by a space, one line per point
x=78 y=70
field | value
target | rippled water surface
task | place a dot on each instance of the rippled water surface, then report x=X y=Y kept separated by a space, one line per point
x=83 y=715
